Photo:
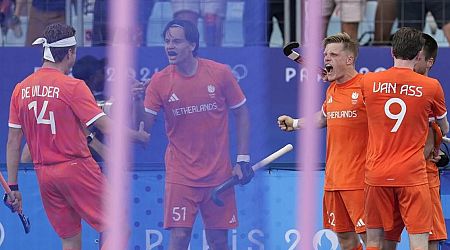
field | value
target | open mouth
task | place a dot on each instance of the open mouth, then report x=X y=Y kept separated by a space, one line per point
x=171 y=53
x=328 y=68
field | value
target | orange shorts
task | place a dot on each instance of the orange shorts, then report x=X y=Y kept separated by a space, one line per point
x=183 y=202
x=72 y=191
x=343 y=211
x=438 y=231
x=412 y=203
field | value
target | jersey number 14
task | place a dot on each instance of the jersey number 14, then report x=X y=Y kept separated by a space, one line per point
x=40 y=118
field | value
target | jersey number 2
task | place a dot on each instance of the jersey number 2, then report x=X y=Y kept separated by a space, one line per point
x=40 y=119
x=399 y=117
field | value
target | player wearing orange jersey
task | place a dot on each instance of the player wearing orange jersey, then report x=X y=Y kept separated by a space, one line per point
x=196 y=96
x=52 y=110
x=398 y=102
x=344 y=115
x=426 y=60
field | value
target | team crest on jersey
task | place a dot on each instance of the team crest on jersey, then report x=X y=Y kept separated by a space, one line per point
x=330 y=100
x=355 y=96
x=211 y=90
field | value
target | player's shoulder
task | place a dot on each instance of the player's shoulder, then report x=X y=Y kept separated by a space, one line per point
x=213 y=65
x=161 y=78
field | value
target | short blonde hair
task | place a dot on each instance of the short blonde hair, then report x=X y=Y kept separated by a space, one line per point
x=349 y=44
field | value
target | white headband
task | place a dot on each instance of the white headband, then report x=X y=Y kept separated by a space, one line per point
x=66 y=42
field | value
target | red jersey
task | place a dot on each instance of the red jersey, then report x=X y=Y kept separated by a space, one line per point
x=196 y=115
x=398 y=102
x=52 y=110
x=346 y=135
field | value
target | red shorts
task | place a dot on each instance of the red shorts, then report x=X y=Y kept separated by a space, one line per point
x=72 y=191
x=412 y=203
x=183 y=202
x=343 y=211
x=438 y=231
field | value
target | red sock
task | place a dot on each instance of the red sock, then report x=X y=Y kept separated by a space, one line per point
x=359 y=247
x=372 y=248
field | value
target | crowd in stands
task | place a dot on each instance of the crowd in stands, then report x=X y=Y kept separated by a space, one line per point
x=258 y=19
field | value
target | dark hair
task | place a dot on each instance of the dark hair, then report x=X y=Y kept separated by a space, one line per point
x=86 y=67
x=407 y=43
x=56 y=32
x=190 y=32
x=349 y=44
x=430 y=47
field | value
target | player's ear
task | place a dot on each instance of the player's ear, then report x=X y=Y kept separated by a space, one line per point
x=193 y=46
x=430 y=62
x=350 y=59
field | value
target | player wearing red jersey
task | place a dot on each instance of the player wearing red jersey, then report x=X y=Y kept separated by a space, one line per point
x=344 y=115
x=196 y=95
x=52 y=110
x=398 y=102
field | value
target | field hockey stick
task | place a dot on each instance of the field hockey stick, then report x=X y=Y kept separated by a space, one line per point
x=24 y=219
x=235 y=180
x=289 y=51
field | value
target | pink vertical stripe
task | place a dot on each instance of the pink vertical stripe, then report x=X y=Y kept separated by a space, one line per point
x=308 y=139
x=120 y=57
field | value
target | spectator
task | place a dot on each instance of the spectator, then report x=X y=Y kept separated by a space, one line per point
x=384 y=20
x=42 y=13
x=349 y=11
x=412 y=13
x=211 y=11
x=258 y=24
x=100 y=26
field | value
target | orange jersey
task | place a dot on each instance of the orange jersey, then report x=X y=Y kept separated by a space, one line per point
x=52 y=110
x=346 y=135
x=196 y=118
x=398 y=103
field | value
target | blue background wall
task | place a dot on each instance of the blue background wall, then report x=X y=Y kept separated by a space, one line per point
x=267 y=207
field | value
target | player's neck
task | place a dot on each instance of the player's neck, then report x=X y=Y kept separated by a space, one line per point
x=349 y=74
x=188 y=67
x=400 y=63
x=58 y=66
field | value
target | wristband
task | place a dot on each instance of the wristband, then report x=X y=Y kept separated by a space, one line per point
x=14 y=187
x=295 y=124
x=245 y=158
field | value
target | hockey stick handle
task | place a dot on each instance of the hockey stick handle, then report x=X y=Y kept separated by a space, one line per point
x=232 y=181
x=264 y=162
x=24 y=219
x=5 y=185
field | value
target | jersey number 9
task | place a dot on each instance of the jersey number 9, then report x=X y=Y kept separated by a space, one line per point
x=399 y=117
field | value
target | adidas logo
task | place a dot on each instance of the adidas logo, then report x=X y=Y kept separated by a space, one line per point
x=360 y=223
x=330 y=100
x=173 y=98
x=233 y=220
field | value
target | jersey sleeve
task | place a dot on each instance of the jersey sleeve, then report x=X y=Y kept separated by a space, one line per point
x=84 y=106
x=152 y=100
x=324 y=108
x=438 y=106
x=14 y=119
x=233 y=92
